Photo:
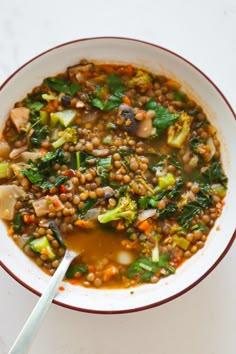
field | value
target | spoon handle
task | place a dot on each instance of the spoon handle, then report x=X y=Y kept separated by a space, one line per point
x=25 y=337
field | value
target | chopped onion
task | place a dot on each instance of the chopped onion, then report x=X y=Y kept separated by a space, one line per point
x=4 y=149
x=92 y=214
x=212 y=147
x=16 y=152
x=160 y=170
x=145 y=214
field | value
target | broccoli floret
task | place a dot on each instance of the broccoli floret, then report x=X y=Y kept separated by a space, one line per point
x=141 y=79
x=178 y=132
x=126 y=209
x=68 y=135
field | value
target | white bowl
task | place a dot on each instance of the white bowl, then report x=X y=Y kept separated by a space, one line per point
x=220 y=114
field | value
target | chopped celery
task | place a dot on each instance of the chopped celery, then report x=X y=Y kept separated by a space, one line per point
x=165 y=181
x=181 y=242
x=4 y=169
x=107 y=140
x=65 y=117
x=155 y=250
x=43 y=117
x=41 y=245
x=104 y=163
x=218 y=189
x=49 y=97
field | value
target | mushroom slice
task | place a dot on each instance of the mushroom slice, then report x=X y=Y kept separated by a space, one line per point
x=15 y=153
x=20 y=117
x=31 y=155
x=75 y=72
x=9 y=195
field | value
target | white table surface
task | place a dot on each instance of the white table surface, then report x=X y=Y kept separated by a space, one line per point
x=203 y=321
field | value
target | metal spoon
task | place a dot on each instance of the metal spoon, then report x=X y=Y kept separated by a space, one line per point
x=28 y=332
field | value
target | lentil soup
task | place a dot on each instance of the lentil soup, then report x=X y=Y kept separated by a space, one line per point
x=121 y=163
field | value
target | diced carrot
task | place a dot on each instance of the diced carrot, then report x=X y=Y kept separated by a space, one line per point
x=27 y=219
x=56 y=203
x=51 y=106
x=11 y=231
x=108 y=68
x=109 y=272
x=128 y=244
x=128 y=70
x=144 y=226
x=84 y=224
x=61 y=288
x=126 y=100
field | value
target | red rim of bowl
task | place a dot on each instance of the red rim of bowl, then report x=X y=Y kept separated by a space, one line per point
x=149 y=306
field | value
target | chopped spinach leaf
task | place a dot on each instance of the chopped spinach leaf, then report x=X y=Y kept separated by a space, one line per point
x=163 y=118
x=97 y=102
x=145 y=268
x=58 y=181
x=34 y=106
x=115 y=84
x=214 y=173
x=164 y=263
x=113 y=101
x=17 y=222
x=178 y=95
x=195 y=207
x=41 y=169
x=56 y=233
x=168 y=212
x=90 y=202
x=61 y=85
x=81 y=268
x=39 y=134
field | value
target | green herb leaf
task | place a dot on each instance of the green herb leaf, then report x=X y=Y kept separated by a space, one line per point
x=56 y=233
x=39 y=134
x=113 y=102
x=17 y=222
x=61 y=85
x=195 y=207
x=58 y=181
x=178 y=95
x=163 y=118
x=90 y=202
x=97 y=102
x=33 y=175
x=34 y=106
x=42 y=168
x=146 y=268
x=74 y=269
x=215 y=173
x=164 y=263
x=168 y=212
x=115 y=84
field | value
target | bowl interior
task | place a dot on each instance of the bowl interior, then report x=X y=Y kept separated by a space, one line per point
x=200 y=88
